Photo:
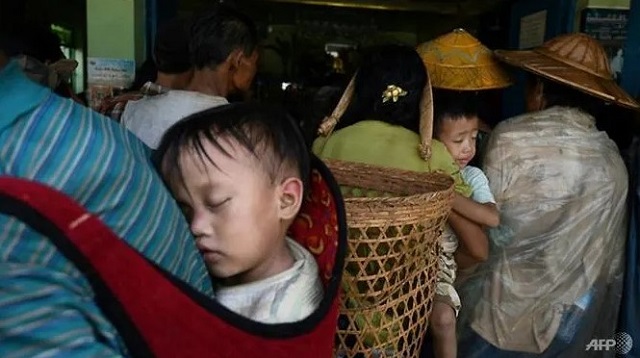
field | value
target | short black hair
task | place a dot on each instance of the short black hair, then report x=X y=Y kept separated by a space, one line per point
x=382 y=66
x=218 y=32
x=453 y=105
x=267 y=132
x=36 y=41
x=171 y=49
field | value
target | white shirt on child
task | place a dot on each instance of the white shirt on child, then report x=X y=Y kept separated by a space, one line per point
x=289 y=296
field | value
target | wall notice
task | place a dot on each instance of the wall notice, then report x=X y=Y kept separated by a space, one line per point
x=532 y=29
x=609 y=26
x=111 y=71
x=107 y=77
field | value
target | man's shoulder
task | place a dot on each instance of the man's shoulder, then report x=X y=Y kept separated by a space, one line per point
x=113 y=104
x=19 y=94
x=532 y=124
x=174 y=103
x=549 y=113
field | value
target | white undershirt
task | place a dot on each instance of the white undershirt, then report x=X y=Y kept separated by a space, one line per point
x=289 y=296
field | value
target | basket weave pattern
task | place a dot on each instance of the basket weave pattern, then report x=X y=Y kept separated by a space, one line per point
x=395 y=219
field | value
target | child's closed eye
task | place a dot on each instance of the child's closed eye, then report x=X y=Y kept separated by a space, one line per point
x=216 y=204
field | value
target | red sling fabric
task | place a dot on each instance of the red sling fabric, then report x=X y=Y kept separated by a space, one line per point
x=160 y=316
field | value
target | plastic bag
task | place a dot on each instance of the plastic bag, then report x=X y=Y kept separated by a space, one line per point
x=553 y=279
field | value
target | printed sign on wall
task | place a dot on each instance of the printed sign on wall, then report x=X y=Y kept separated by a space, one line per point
x=609 y=26
x=107 y=77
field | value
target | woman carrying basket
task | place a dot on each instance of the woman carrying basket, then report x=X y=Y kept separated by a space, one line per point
x=382 y=125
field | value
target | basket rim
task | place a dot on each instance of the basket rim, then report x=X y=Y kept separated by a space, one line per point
x=442 y=184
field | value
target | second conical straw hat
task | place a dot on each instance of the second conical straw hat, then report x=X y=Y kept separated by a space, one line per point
x=458 y=61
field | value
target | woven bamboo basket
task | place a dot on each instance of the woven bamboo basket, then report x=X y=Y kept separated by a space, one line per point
x=395 y=219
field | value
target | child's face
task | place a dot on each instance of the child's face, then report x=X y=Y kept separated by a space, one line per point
x=234 y=210
x=459 y=136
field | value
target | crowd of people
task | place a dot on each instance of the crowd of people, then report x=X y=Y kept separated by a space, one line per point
x=207 y=189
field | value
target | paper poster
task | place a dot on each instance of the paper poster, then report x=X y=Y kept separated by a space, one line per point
x=107 y=77
x=609 y=26
x=111 y=71
x=532 y=29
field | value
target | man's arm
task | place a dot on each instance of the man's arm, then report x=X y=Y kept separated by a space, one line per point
x=471 y=237
x=49 y=313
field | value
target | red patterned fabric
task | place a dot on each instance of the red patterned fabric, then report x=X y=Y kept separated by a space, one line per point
x=316 y=227
x=190 y=324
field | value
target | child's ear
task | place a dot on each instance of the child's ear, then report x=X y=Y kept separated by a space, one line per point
x=290 y=196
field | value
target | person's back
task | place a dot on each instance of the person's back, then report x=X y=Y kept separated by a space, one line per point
x=380 y=125
x=354 y=144
x=143 y=119
x=561 y=186
x=47 y=305
x=223 y=52
x=552 y=281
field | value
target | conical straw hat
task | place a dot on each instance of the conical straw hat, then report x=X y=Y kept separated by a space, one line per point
x=458 y=61
x=576 y=60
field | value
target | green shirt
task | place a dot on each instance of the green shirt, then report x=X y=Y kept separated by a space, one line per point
x=387 y=145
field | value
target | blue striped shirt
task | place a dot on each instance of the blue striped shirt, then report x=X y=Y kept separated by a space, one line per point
x=46 y=305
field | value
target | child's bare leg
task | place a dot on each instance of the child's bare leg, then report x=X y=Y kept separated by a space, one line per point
x=443 y=330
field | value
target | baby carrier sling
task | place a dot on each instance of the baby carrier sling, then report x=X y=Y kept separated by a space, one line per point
x=157 y=314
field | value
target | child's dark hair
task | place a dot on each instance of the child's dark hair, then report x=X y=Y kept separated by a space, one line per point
x=398 y=65
x=269 y=133
x=453 y=105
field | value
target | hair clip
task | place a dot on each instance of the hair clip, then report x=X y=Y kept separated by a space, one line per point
x=393 y=92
